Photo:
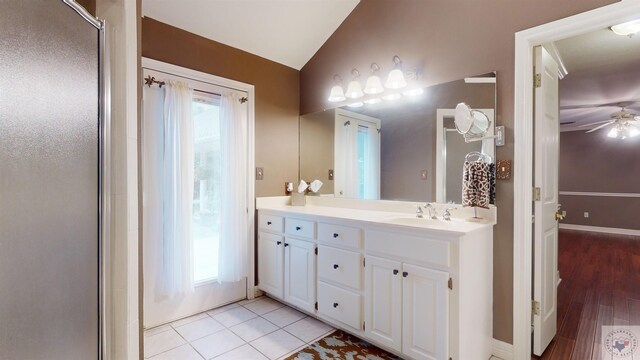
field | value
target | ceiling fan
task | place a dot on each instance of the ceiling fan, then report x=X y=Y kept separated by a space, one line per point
x=625 y=124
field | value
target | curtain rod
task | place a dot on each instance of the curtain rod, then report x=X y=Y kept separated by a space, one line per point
x=150 y=80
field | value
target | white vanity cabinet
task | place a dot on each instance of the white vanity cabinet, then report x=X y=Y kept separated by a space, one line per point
x=422 y=293
x=286 y=263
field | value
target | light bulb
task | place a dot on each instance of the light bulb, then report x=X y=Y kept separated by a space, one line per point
x=633 y=131
x=395 y=80
x=336 y=94
x=373 y=86
x=613 y=133
x=354 y=90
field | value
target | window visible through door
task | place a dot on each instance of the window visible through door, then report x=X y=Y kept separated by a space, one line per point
x=206 y=190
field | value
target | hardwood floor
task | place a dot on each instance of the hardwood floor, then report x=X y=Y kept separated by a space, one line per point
x=600 y=286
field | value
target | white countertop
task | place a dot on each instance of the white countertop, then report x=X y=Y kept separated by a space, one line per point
x=389 y=213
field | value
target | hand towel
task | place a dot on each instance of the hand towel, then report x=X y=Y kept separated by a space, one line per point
x=315 y=186
x=302 y=187
x=476 y=184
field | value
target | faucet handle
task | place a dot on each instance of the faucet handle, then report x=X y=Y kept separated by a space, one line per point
x=447 y=213
x=419 y=211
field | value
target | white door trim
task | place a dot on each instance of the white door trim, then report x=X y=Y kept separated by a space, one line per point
x=523 y=141
x=251 y=130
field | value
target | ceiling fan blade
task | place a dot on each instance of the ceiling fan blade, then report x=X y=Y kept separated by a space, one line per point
x=594 y=123
x=600 y=127
x=611 y=104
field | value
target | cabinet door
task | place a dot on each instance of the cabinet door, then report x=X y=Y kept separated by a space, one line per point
x=425 y=322
x=271 y=264
x=383 y=301
x=300 y=274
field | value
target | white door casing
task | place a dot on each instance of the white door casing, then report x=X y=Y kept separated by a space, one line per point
x=546 y=145
x=383 y=301
x=425 y=318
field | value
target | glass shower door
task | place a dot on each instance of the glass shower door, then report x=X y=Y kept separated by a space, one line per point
x=49 y=182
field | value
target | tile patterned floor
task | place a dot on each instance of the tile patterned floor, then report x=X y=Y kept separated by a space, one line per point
x=257 y=329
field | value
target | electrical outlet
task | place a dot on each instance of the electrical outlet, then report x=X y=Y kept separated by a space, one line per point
x=330 y=175
x=259 y=173
x=423 y=174
x=586 y=214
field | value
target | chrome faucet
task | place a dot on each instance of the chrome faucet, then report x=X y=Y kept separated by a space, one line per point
x=433 y=214
x=447 y=214
x=419 y=212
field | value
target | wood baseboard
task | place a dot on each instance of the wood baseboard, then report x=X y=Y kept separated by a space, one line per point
x=599 y=229
x=502 y=350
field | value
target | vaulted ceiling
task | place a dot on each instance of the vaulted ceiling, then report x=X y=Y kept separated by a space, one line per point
x=289 y=32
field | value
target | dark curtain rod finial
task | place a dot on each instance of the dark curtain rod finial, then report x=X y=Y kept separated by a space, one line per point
x=243 y=100
x=150 y=80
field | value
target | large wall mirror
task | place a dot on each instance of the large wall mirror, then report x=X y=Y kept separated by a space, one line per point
x=407 y=149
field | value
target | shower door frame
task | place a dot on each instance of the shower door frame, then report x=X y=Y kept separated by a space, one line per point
x=104 y=175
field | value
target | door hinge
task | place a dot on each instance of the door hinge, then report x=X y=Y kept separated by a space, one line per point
x=316 y=251
x=316 y=305
x=535 y=307
x=536 y=194
x=364 y=262
x=450 y=284
x=537 y=81
x=363 y=326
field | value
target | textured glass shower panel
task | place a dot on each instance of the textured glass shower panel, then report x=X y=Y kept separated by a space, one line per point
x=48 y=182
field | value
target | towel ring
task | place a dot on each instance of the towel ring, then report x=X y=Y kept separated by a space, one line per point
x=479 y=157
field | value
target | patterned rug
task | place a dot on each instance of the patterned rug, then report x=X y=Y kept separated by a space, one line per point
x=340 y=345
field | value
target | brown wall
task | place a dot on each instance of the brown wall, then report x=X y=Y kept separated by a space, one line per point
x=276 y=92
x=439 y=36
x=595 y=163
x=90 y=5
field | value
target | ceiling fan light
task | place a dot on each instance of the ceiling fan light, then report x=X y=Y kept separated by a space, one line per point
x=336 y=94
x=633 y=131
x=613 y=133
x=627 y=29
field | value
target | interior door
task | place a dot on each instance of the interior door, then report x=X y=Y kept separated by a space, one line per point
x=300 y=273
x=383 y=301
x=545 y=230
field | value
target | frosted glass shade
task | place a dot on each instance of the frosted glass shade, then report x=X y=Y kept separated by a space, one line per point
x=395 y=80
x=627 y=29
x=337 y=94
x=354 y=90
x=373 y=86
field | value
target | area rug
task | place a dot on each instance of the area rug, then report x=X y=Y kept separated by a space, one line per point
x=340 y=345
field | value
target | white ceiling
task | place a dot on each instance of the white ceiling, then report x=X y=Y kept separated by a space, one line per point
x=604 y=68
x=289 y=32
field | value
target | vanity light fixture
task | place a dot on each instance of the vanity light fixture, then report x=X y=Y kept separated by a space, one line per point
x=337 y=94
x=392 y=97
x=413 y=92
x=396 y=80
x=627 y=29
x=354 y=90
x=374 y=84
x=372 y=101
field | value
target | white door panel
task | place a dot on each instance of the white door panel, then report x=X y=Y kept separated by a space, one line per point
x=546 y=179
x=300 y=274
x=383 y=301
x=271 y=264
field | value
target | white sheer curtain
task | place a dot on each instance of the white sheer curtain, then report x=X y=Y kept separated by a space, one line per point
x=350 y=164
x=233 y=246
x=177 y=191
x=372 y=164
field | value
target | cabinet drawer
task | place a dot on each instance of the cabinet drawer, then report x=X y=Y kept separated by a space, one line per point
x=340 y=266
x=419 y=249
x=340 y=305
x=300 y=228
x=270 y=222
x=340 y=235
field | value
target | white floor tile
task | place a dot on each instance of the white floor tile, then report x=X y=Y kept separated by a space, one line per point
x=253 y=329
x=284 y=316
x=234 y=316
x=247 y=301
x=157 y=330
x=223 y=309
x=217 y=344
x=263 y=306
x=308 y=329
x=184 y=352
x=277 y=344
x=199 y=328
x=159 y=343
x=245 y=352
x=187 y=320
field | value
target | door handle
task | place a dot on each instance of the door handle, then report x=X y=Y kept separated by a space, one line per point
x=335 y=266
x=279 y=242
x=268 y=222
x=335 y=235
x=395 y=271
x=405 y=274
x=335 y=305
x=298 y=228
x=285 y=244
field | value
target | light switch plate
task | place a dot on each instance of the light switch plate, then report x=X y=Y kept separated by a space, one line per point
x=499 y=132
x=503 y=169
x=259 y=173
